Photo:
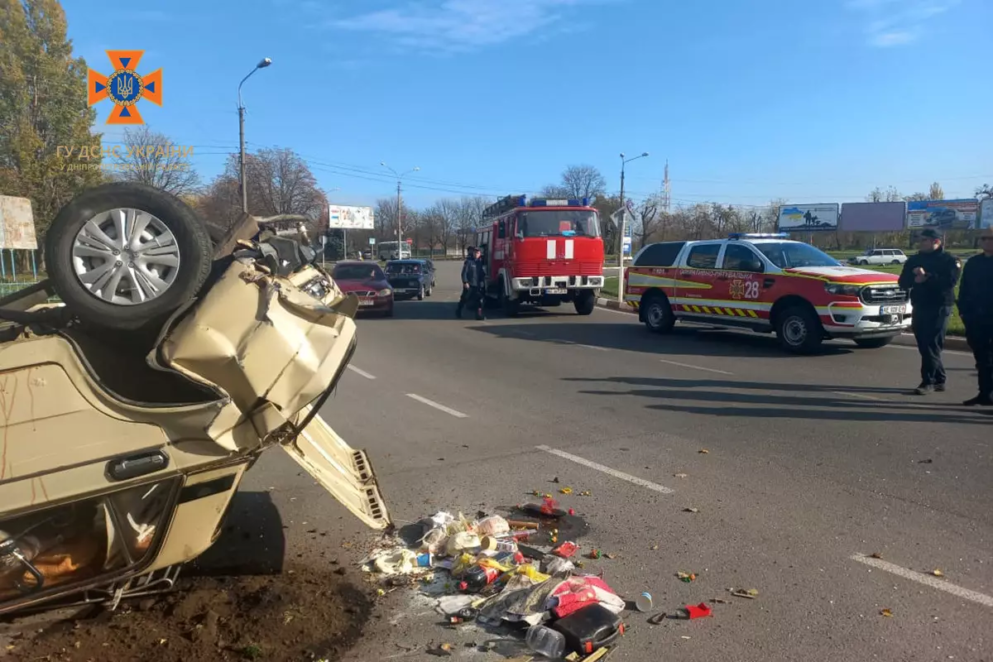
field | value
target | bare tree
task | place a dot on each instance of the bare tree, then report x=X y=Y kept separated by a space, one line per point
x=936 y=192
x=650 y=212
x=889 y=195
x=280 y=182
x=151 y=158
x=914 y=197
x=468 y=218
x=984 y=191
x=578 y=181
x=445 y=216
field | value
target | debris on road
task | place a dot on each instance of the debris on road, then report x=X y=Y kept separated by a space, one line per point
x=750 y=593
x=691 y=510
x=703 y=451
x=876 y=555
x=686 y=576
x=886 y=612
x=481 y=576
x=937 y=573
x=680 y=475
x=691 y=612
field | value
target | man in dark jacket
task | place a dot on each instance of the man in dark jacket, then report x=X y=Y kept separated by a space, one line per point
x=930 y=276
x=976 y=308
x=473 y=282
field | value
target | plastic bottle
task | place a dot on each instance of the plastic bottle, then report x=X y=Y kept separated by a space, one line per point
x=546 y=642
x=478 y=578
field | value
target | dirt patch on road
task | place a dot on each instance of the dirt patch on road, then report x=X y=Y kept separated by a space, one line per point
x=297 y=615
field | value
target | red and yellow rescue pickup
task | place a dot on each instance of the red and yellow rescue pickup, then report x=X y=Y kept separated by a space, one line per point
x=542 y=252
x=766 y=283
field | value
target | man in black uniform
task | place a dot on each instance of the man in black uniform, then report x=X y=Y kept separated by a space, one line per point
x=976 y=309
x=931 y=275
x=473 y=282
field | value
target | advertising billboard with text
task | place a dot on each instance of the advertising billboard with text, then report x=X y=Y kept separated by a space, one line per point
x=808 y=218
x=342 y=217
x=943 y=214
x=873 y=217
x=986 y=213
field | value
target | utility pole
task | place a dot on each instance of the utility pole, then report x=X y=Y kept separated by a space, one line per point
x=623 y=231
x=666 y=189
x=263 y=63
x=399 y=177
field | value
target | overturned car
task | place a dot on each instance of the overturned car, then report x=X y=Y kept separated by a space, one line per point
x=131 y=411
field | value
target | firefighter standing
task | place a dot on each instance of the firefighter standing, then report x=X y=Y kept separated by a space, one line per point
x=930 y=276
x=473 y=281
x=976 y=308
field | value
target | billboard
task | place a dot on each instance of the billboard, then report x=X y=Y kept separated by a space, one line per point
x=873 y=217
x=341 y=217
x=16 y=224
x=808 y=218
x=986 y=213
x=943 y=214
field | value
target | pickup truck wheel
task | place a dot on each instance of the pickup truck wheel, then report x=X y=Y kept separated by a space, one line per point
x=420 y=294
x=874 y=343
x=585 y=302
x=657 y=313
x=799 y=330
x=126 y=255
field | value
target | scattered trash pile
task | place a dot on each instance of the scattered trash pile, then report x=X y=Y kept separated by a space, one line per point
x=509 y=571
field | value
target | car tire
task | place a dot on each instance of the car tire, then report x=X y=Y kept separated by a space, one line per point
x=895 y=262
x=72 y=256
x=585 y=302
x=874 y=343
x=799 y=330
x=656 y=312
x=864 y=263
x=420 y=294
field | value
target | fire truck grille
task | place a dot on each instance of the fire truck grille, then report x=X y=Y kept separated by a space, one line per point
x=559 y=269
x=883 y=294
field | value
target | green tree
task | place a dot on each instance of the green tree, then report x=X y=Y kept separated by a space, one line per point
x=43 y=110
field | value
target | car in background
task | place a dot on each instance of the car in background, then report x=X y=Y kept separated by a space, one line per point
x=879 y=256
x=411 y=278
x=368 y=282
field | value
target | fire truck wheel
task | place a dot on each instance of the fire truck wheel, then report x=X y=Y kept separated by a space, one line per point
x=657 y=313
x=799 y=330
x=585 y=302
x=873 y=343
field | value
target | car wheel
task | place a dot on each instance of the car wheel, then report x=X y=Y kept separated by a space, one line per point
x=657 y=313
x=895 y=262
x=874 y=343
x=799 y=330
x=585 y=302
x=126 y=255
x=420 y=294
x=864 y=263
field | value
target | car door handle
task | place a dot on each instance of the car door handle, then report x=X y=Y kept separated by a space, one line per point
x=134 y=466
x=768 y=282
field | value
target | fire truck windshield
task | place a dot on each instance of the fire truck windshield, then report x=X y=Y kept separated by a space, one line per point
x=550 y=222
x=793 y=254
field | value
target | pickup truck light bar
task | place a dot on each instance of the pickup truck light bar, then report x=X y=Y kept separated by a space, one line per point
x=758 y=235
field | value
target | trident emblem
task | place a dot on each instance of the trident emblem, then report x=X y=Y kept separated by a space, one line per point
x=125 y=87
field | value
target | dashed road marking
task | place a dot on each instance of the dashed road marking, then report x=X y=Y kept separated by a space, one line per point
x=697 y=367
x=579 y=344
x=641 y=482
x=927 y=580
x=439 y=407
x=858 y=395
x=359 y=371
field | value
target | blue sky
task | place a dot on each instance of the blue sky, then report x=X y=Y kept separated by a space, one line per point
x=809 y=100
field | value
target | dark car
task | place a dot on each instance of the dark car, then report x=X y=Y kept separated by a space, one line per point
x=411 y=278
x=366 y=281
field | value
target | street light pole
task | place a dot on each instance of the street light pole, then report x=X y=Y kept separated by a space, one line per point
x=263 y=63
x=399 y=177
x=623 y=231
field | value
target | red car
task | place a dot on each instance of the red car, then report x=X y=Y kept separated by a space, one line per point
x=368 y=282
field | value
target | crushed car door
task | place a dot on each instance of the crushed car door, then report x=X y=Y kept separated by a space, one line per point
x=343 y=471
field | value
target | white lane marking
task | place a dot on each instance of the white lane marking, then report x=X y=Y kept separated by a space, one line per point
x=439 y=407
x=641 y=482
x=857 y=395
x=927 y=580
x=359 y=371
x=579 y=344
x=696 y=367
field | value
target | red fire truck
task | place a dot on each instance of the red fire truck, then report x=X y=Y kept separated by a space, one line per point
x=541 y=252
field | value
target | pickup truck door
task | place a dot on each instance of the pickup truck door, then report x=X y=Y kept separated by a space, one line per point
x=699 y=286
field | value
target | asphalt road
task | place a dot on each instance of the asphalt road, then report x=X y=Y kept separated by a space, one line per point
x=812 y=462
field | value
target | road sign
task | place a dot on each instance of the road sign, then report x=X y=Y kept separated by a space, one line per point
x=372 y=241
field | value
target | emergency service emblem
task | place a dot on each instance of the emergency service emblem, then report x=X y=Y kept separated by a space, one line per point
x=125 y=87
x=737 y=289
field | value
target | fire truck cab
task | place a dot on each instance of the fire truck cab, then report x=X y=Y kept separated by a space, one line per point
x=541 y=252
x=769 y=284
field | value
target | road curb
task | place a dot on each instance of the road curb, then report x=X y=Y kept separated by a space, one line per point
x=954 y=343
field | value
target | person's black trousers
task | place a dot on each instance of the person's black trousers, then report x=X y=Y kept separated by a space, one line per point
x=980 y=337
x=930 y=325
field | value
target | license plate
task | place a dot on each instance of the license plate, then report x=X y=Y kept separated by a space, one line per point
x=894 y=310
x=366 y=302
x=556 y=290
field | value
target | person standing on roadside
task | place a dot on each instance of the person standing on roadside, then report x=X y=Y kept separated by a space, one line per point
x=930 y=276
x=976 y=309
x=473 y=281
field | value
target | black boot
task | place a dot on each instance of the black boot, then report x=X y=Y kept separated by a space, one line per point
x=479 y=314
x=458 y=312
x=980 y=400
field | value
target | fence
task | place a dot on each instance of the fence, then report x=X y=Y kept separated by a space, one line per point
x=13 y=279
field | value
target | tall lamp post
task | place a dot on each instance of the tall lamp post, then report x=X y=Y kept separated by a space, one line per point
x=399 y=177
x=623 y=230
x=263 y=63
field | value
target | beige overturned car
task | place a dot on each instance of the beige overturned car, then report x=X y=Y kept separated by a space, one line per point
x=131 y=412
